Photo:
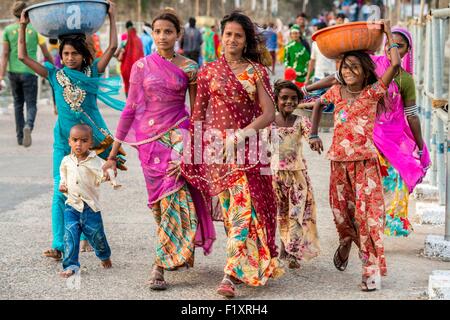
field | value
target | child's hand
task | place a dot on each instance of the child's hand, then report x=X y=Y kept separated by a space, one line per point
x=63 y=188
x=112 y=9
x=24 y=19
x=316 y=145
x=386 y=26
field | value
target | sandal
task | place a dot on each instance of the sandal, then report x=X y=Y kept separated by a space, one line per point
x=236 y=280
x=339 y=263
x=366 y=288
x=53 y=253
x=157 y=281
x=226 y=288
x=369 y=284
x=293 y=263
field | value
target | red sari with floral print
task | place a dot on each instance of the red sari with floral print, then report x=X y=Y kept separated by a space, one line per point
x=222 y=104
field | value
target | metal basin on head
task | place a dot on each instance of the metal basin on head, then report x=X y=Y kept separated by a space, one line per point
x=56 y=18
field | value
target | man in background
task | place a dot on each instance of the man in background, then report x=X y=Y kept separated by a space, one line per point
x=23 y=81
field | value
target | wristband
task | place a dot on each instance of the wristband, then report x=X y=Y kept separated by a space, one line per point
x=313 y=136
x=394 y=45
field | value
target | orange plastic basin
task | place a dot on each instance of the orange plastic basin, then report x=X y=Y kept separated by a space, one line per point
x=335 y=40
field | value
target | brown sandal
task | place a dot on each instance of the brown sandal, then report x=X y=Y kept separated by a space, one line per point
x=53 y=253
x=157 y=281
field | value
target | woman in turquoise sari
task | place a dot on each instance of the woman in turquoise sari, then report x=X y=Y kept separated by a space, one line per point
x=77 y=87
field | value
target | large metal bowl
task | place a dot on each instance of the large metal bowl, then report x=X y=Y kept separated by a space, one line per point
x=56 y=18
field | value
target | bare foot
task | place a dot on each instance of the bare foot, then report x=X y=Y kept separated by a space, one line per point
x=53 y=253
x=107 y=264
x=85 y=246
x=67 y=273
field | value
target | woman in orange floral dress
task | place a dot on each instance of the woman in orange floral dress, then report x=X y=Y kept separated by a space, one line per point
x=234 y=102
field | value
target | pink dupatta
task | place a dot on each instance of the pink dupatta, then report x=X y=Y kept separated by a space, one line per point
x=392 y=134
x=155 y=106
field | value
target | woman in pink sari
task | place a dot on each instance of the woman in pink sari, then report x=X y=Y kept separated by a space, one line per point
x=234 y=102
x=153 y=121
x=397 y=135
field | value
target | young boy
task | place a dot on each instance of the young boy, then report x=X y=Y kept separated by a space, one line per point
x=81 y=175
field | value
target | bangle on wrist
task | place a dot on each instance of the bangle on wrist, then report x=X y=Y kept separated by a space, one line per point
x=394 y=45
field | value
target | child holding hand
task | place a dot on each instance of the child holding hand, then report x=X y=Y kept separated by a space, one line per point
x=81 y=175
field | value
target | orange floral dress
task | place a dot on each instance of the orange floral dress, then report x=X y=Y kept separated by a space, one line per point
x=248 y=255
x=356 y=189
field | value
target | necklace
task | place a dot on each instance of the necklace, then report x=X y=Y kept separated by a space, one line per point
x=168 y=59
x=352 y=92
x=241 y=59
x=72 y=94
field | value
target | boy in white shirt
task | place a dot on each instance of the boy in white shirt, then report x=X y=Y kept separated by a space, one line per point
x=81 y=176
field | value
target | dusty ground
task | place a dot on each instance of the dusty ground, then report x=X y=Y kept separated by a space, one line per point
x=25 y=230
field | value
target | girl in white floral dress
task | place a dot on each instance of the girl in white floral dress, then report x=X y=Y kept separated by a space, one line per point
x=296 y=206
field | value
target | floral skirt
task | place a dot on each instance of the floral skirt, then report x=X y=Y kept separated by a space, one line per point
x=297 y=215
x=396 y=197
x=176 y=218
x=248 y=256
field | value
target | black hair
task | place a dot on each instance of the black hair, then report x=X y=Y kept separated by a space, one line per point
x=84 y=127
x=79 y=43
x=284 y=84
x=303 y=15
x=53 y=41
x=252 y=52
x=129 y=24
x=341 y=15
x=192 y=22
x=321 y=25
x=370 y=76
x=404 y=38
x=169 y=15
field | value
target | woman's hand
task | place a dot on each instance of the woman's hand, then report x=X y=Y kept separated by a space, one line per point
x=316 y=145
x=174 y=169
x=386 y=26
x=24 y=19
x=109 y=165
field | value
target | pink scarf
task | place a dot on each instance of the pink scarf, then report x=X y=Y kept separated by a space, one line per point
x=392 y=134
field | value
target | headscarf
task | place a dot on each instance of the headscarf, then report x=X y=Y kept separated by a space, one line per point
x=408 y=59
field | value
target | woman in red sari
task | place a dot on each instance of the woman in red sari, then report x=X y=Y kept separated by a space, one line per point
x=131 y=53
x=234 y=101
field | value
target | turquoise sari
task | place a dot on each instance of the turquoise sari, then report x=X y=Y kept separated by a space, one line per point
x=95 y=87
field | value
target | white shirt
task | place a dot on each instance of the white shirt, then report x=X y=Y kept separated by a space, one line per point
x=324 y=66
x=82 y=180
